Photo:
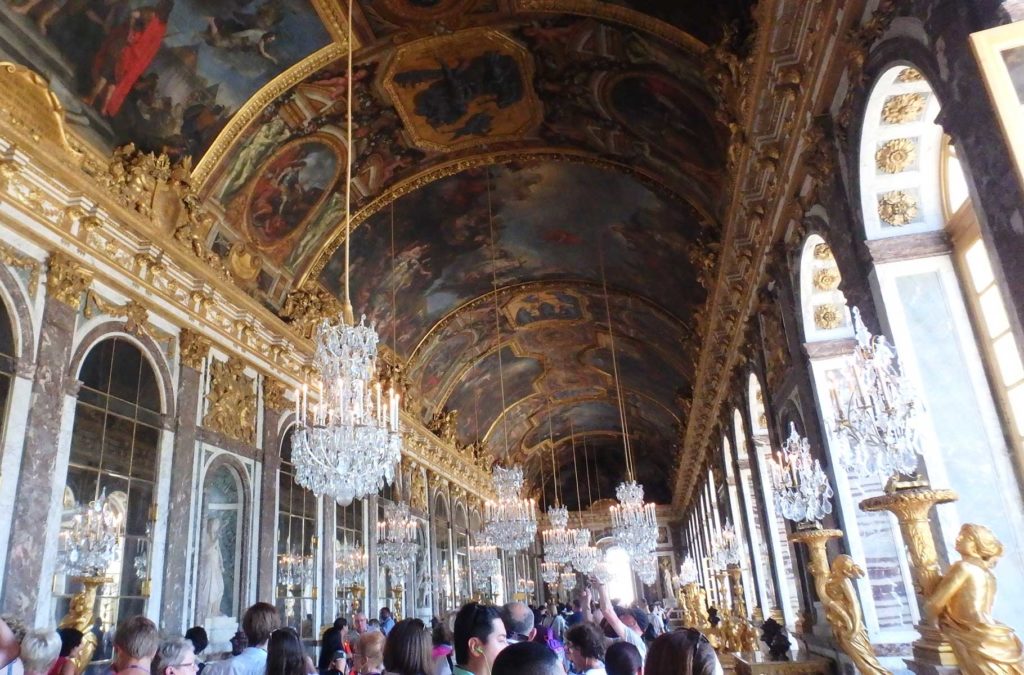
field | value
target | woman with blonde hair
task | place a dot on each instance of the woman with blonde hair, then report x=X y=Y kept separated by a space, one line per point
x=39 y=650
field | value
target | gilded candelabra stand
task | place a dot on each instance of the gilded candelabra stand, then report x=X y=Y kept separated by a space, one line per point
x=744 y=634
x=397 y=591
x=356 y=592
x=838 y=599
x=81 y=615
x=911 y=502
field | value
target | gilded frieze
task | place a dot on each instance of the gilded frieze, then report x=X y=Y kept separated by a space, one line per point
x=828 y=316
x=194 y=349
x=231 y=401
x=275 y=395
x=11 y=258
x=66 y=280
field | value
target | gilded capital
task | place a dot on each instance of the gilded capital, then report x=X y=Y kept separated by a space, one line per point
x=66 y=280
x=193 y=348
x=275 y=395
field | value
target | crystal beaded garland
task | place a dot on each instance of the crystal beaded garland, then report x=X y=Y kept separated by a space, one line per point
x=351 y=564
x=634 y=524
x=802 y=491
x=347 y=445
x=878 y=424
x=511 y=521
x=91 y=539
x=396 y=539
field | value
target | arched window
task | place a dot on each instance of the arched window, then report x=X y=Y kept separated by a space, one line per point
x=928 y=258
x=115 y=442
x=443 y=553
x=8 y=364
x=739 y=521
x=297 y=541
x=460 y=529
x=762 y=556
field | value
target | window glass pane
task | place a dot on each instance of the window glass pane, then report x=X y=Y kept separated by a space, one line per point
x=145 y=452
x=994 y=311
x=6 y=332
x=140 y=499
x=117 y=444
x=82 y=483
x=956 y=184
x=95 y=372
x=979 y=266
x=124 y=378
x=1016 y=397
x=149 y=394
x=87 y=436
x=1008 y=359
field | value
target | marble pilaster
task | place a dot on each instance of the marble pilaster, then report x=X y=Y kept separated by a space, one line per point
x=328 y=585
x=24 y=576
x=267 y=544
x=176 y=587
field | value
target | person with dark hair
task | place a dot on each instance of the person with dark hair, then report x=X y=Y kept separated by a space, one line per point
x=584 y=646
x=338 y=664
x=387 y=622
x=258 y=622
x=682 y=652
x=332 y=641
x=200 y=641
x=285 y=655
x=70 y=646
x=407 y=649
x=441 y=638
x=628 y=624
x=622 y=658
x=479 y=638
x=527 y=658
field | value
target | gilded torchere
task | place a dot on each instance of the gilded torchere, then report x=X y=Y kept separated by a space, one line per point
x=80 y=616
x=912 y=503
x=838 y=598
x=961 y=603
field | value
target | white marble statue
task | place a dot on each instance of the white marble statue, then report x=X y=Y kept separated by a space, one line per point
x=211 y=573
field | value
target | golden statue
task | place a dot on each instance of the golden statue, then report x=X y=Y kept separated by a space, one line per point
x=843 y=613
x=961 y=603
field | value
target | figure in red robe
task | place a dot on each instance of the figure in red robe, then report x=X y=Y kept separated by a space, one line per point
x=126 y=54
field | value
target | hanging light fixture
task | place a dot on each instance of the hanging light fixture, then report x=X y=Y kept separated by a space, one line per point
x=583 y=556
x=634 y=523
x=688 y=571
x=878 y=424
x=346 y=446
x=396 y=539
x=567 y=580
x=646 y=567
x=549 y=572
x=557 y=537
x=802 y=491
x=484 y=561
x=726 y=549
x=351 y=560
x=511 y=520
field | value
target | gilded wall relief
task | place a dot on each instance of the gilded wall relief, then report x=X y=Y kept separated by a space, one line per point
x=231 y=401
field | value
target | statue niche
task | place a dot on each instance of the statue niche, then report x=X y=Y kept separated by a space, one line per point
x=219 y=555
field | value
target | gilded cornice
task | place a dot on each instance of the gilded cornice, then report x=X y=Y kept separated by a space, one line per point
x=11 y=258
x=66 y=280
x=451 y=464
x=456 y=166
x=336 y=21
x=260 y=100
x=773 y=173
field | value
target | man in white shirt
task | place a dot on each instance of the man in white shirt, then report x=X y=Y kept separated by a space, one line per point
x=628 y=624
x=258 y=623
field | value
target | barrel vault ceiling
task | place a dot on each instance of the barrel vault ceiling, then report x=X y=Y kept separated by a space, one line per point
x=505 y=153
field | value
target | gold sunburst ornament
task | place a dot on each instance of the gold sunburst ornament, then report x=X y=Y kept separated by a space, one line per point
x=896 y=155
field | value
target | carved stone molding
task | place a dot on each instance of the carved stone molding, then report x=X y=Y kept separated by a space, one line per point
x=11 y=258
x=66 y=280
x=897 y=208
x=275 y=395
x=896 y=155
x=193 y=348
x=231 y=401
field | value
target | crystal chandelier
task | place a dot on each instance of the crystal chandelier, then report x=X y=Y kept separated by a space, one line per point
x=484 y=561
x=511 y=521
x=602 y=572
x=726 y=550
x=525 y=586
x=687 y=571
x=558 y=539
x=549 y=571
x=878 y=423
x=91 y=540
x=584 y=557
x=351 y=563
x=646 y=567
x=396 y=539
x=634 y=523
x=294 y=569
x=802 y=491
x=346 y=446
x=567 y=580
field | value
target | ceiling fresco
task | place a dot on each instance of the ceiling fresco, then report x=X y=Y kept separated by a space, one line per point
x=504 y=152
x=164 y=74
x=571 y=87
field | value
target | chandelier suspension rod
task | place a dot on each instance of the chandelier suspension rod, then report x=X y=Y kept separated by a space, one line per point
x=543 y=491
x=554 y=467
x=586 y=463
x=349 y=318
x=394 y=292
x=576 y=473
x=497 y=322
x=615 y=371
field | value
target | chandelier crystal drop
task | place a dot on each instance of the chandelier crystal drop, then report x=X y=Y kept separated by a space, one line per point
x=634 y=524
x=802 y=491
x=583 y=556
x=688 y=571
x=90 y=540
x=294 y=569
x=347 y=445
x=558 y=539
x=511 y=521
x=396 y=539
x=877 y=426
x=351 y=563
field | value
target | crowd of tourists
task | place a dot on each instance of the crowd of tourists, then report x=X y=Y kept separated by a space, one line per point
x=588 y=638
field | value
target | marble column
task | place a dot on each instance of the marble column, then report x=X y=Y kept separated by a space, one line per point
x=28 y=569
x=174 y=614
x=328 y=585
x=267 y=544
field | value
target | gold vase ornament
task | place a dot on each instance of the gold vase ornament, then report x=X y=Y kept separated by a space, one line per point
x=961 y=603
x=838 y=599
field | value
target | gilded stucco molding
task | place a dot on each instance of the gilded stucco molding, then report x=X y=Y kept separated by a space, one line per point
x=10 y=257
x=66 y=280
x=231 y=401
x=275 y=395
x=193 y=348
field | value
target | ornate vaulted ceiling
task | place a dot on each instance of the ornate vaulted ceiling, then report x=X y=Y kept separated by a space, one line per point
x=504 y=151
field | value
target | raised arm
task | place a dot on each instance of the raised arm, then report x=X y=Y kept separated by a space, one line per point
x=609 y=614
x=585 y=601
x=9 y=647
